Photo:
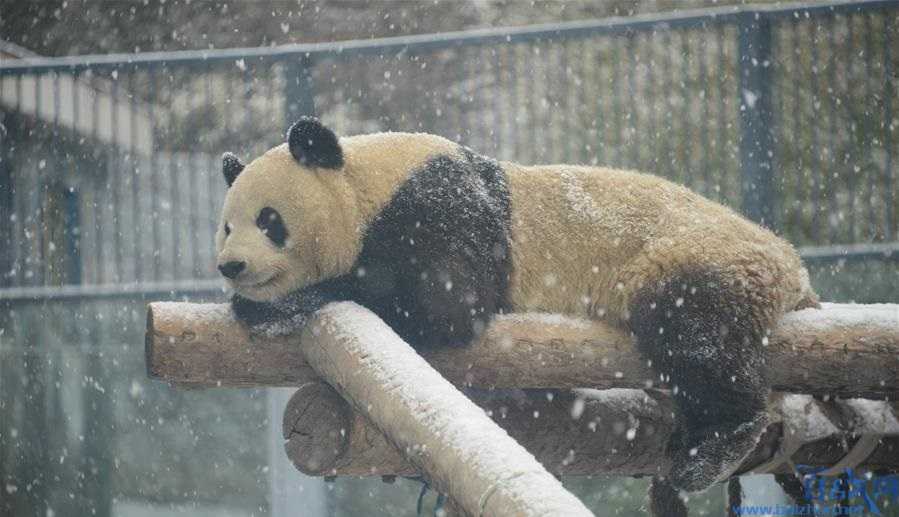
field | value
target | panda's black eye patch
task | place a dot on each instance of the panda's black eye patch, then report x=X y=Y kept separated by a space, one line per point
x=271 y=224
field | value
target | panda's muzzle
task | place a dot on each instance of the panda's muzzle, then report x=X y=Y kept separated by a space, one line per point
x=232 y=269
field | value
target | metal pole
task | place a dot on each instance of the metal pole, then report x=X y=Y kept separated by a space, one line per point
x=756 y=117
x=6 y=201
x=299 y=90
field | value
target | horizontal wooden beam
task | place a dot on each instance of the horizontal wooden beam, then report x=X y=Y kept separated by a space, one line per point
x=841 y=350
x=587 y=432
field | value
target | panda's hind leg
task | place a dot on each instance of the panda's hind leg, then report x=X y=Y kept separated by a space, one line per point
x=705 y=338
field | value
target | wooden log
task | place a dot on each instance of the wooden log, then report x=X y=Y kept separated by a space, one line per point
x=590 y=432
x=315 y=425
x=595 y=442
x=201 y=345
x=840 y=350
x=442 y=433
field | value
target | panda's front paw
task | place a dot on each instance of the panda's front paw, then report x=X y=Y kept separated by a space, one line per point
x=266 y=319
x=278 y=327
x=704 y=459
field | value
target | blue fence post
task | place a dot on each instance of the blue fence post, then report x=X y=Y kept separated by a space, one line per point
x=756 y=117
x=299 y=90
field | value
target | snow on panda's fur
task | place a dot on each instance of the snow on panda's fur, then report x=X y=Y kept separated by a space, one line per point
x=435 y=239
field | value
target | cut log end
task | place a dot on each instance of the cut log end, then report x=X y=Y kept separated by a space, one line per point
x=316 y=428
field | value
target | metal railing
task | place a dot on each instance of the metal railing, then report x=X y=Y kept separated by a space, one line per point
x=109 y=168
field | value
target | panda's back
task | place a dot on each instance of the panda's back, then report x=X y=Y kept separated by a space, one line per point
x=585 y=239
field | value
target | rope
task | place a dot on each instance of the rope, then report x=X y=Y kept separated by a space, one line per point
x=425 y=486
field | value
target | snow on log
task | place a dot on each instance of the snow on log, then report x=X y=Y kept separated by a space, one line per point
x=841 y=350
x=447 y=437
x=618 y=432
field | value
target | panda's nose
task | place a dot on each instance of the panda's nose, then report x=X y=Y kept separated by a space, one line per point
x=232 y=269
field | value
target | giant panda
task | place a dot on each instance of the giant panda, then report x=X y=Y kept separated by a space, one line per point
x=435 y=239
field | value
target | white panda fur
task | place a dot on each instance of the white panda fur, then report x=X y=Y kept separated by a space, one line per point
x=327 y=211
x=494 y=237
x=598 y=235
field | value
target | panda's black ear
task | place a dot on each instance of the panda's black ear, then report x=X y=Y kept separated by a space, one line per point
x=314 y=145
x=231 y=167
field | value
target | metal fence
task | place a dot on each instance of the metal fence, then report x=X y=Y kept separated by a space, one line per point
x=110 y=163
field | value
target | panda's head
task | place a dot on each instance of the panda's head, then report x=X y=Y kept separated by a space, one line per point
x=289 y=217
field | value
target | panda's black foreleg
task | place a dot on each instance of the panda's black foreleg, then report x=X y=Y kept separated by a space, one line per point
x=705 y=340
x=290 y=313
